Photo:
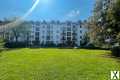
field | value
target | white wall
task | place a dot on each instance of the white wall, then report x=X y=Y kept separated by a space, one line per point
x=56 y=31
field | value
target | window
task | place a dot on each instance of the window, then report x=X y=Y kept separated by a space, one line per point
x=80 y=37
x=74 y=38
x=37 y=38
x=37 y=29
x=74 y=26
x=43 y=32
x=68 y=33
x=51 y=32
x=57 y=31
x=80 y=31
x=43 y=37
x=80 y=26
x=37 y=34
x=48 y=37
x=43 y=26
x=48 y=32
x=57 y=42
x=69 y=29
x=32 y=36
x=48 y=27
x=69 y=38
x=57 y=36
x=51 y=37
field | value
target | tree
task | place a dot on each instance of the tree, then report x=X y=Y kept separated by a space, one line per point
x=112 y=27
x=105 y=23
x=116 y=24
x=20 y=31
x=85 y=40
x=95 y=24
x=18 y=36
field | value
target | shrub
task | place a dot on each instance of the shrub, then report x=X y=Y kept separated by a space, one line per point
x=2 y=43
x=16 y=44
x=116 y=51
x=90 y=46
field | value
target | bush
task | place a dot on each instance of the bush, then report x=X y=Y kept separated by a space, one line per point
x=16 y=44
x=2 y=43
x=116 y=51
x=90 y=46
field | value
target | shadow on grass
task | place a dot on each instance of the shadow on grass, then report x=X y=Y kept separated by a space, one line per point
x=91 y=48
x=9 y=49
x=109 y=55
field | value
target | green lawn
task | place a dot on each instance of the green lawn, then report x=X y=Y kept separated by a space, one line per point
x=57 y=64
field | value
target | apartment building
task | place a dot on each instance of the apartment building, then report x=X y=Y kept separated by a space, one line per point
x=47 y=33
x=55 y=32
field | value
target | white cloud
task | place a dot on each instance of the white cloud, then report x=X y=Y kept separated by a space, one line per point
x=73 y=14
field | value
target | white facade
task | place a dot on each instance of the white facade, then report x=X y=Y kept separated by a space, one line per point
x=57 y=33
x=44 y=33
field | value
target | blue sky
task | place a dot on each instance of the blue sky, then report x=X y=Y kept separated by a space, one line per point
x=48 y=9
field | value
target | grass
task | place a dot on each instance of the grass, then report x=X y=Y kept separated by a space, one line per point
x=56 y=64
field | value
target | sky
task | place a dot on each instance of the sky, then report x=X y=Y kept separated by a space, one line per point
x=47 y=9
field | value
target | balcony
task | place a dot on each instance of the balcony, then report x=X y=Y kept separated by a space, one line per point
x=74 y=33
x=63 y=38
